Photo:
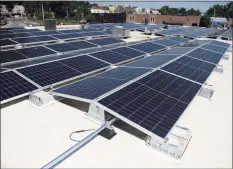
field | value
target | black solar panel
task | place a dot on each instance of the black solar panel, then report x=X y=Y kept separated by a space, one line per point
x=166 y=42
x=179 y=39
x=94 y=87
x=25 y=30
x=155 y=102
x=123 y=73
x=90 y=88
x=99 y=41
x=69 y=31
x=5 y=31
x=177 y=51
x=25 y=40
x=194 y=43
x=226 y=45
x=35 y=51
x=6 y=42
x=45 y=38
x=49 y=73
x=153 y=61
x=84 y=63
x=206 y=55
x=10 y=56
x=128 y=52
x=45 y=33
x=214 y=48
x=113 y=40
x=12 y=85
x=14 y=35
x=82 y=44
x=191 y=68
x=110 y=56
x=63 y=47
x=148 y=47
x=63 y=36
x=93 y=33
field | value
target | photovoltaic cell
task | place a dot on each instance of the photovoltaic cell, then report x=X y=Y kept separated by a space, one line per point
x=49 y=73
x=15 y=35
x=153 y=102
x=190 y=68
x=10 y=56
x=45 y=38
x=153 y=61
x=63 y=47
x=6 y=42
x=214 y=48
x=93 y=33
x=45 y=33
x=37 y=51
x=128 y=52
x=99 y=41
x=12 y=85
x=148 y=47
x=177 y=51
x=82 y=44
x=166 y=42
x=25 y=40
x=110 y=56
x=4 y=32
x=206 y=55
x=179 y=39
x=25 y=30
x=96 y=86
x=84 y=63
x=63 y=36
x=226 y=45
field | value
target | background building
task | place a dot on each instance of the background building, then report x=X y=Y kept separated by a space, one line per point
x=99 y=9
x=164 y=19
x=112 y=9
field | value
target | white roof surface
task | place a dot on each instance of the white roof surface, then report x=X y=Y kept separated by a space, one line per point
x=30 y=138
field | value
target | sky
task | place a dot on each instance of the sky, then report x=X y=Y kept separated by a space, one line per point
x=202 y=6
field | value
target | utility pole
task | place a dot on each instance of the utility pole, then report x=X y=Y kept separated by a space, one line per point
x=42 y=8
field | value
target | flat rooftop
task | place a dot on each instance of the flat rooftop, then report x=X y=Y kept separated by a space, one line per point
x=30 y=137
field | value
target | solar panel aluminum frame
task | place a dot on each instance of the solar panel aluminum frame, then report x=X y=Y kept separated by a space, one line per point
x=70 y=39
x=214 y=51
x=28 y=59
x=167 y=47
x=8 y=46
x=146 y=52
x=22 y=95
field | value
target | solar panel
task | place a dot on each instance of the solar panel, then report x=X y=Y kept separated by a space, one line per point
x=113 y=40
x=93 y=33
x=49 y=73
x=10 y=56
x=82 y=44
x=6 y=42
x=45 y=38
x=14 y=35
x=63 y=36
x=101 y=41
x=153 y=61
x=84 y=63
x=123 y=73
x=110 y=56
x=206 y=55
x=214 y=48
x=154 y=102
x=177 y=51
x=226 y=45
x=148 y=47
x=166 y=42
x=132 y=53
x=12 y=85
x=179 y=39
x=25 y=30
x=69 y=31
x=191 y=68
x=25 y=40
x=195 y=43
x=45 y=33
x=4 y=32
x=37 y=51
x=62 y=47
x=96 y=86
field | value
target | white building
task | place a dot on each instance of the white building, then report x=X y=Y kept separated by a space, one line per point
x=99 y=9
x=3 y=9
x=138 y=10
x=154 y=11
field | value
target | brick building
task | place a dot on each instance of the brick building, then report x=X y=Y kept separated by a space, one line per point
x=164 y=19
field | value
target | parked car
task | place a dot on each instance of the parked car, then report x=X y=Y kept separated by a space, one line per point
x=3 y=20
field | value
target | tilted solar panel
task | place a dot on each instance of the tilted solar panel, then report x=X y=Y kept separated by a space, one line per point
x=190 y=68
x=7 y=42
x=14 y=35
x=82 y=44
x=215 y=48
x=62 y=47
x=45 y=33
x=166 y=42
x=206 y=55
x=226 y=45
x=13 y=85
x=154 y=102
x=25 y=40
x=49 y=73
x=37 y=51
x=11 y=56
x=148 y=47
x=132 y=53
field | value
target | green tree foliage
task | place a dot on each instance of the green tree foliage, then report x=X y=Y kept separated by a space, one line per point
x=225 y=11
x=182 y=11
x=165 y=10
x=205 y=21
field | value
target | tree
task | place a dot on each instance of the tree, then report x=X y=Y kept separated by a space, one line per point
x=205 y=21
x=191 y=11
x=90 y=18
x=182 y=11
x=198 y=12
x=164 y=10
x=173 y=11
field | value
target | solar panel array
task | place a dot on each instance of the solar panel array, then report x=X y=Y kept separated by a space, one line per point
x=227 y=34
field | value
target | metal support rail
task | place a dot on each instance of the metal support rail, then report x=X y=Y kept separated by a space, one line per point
x=77 y=146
